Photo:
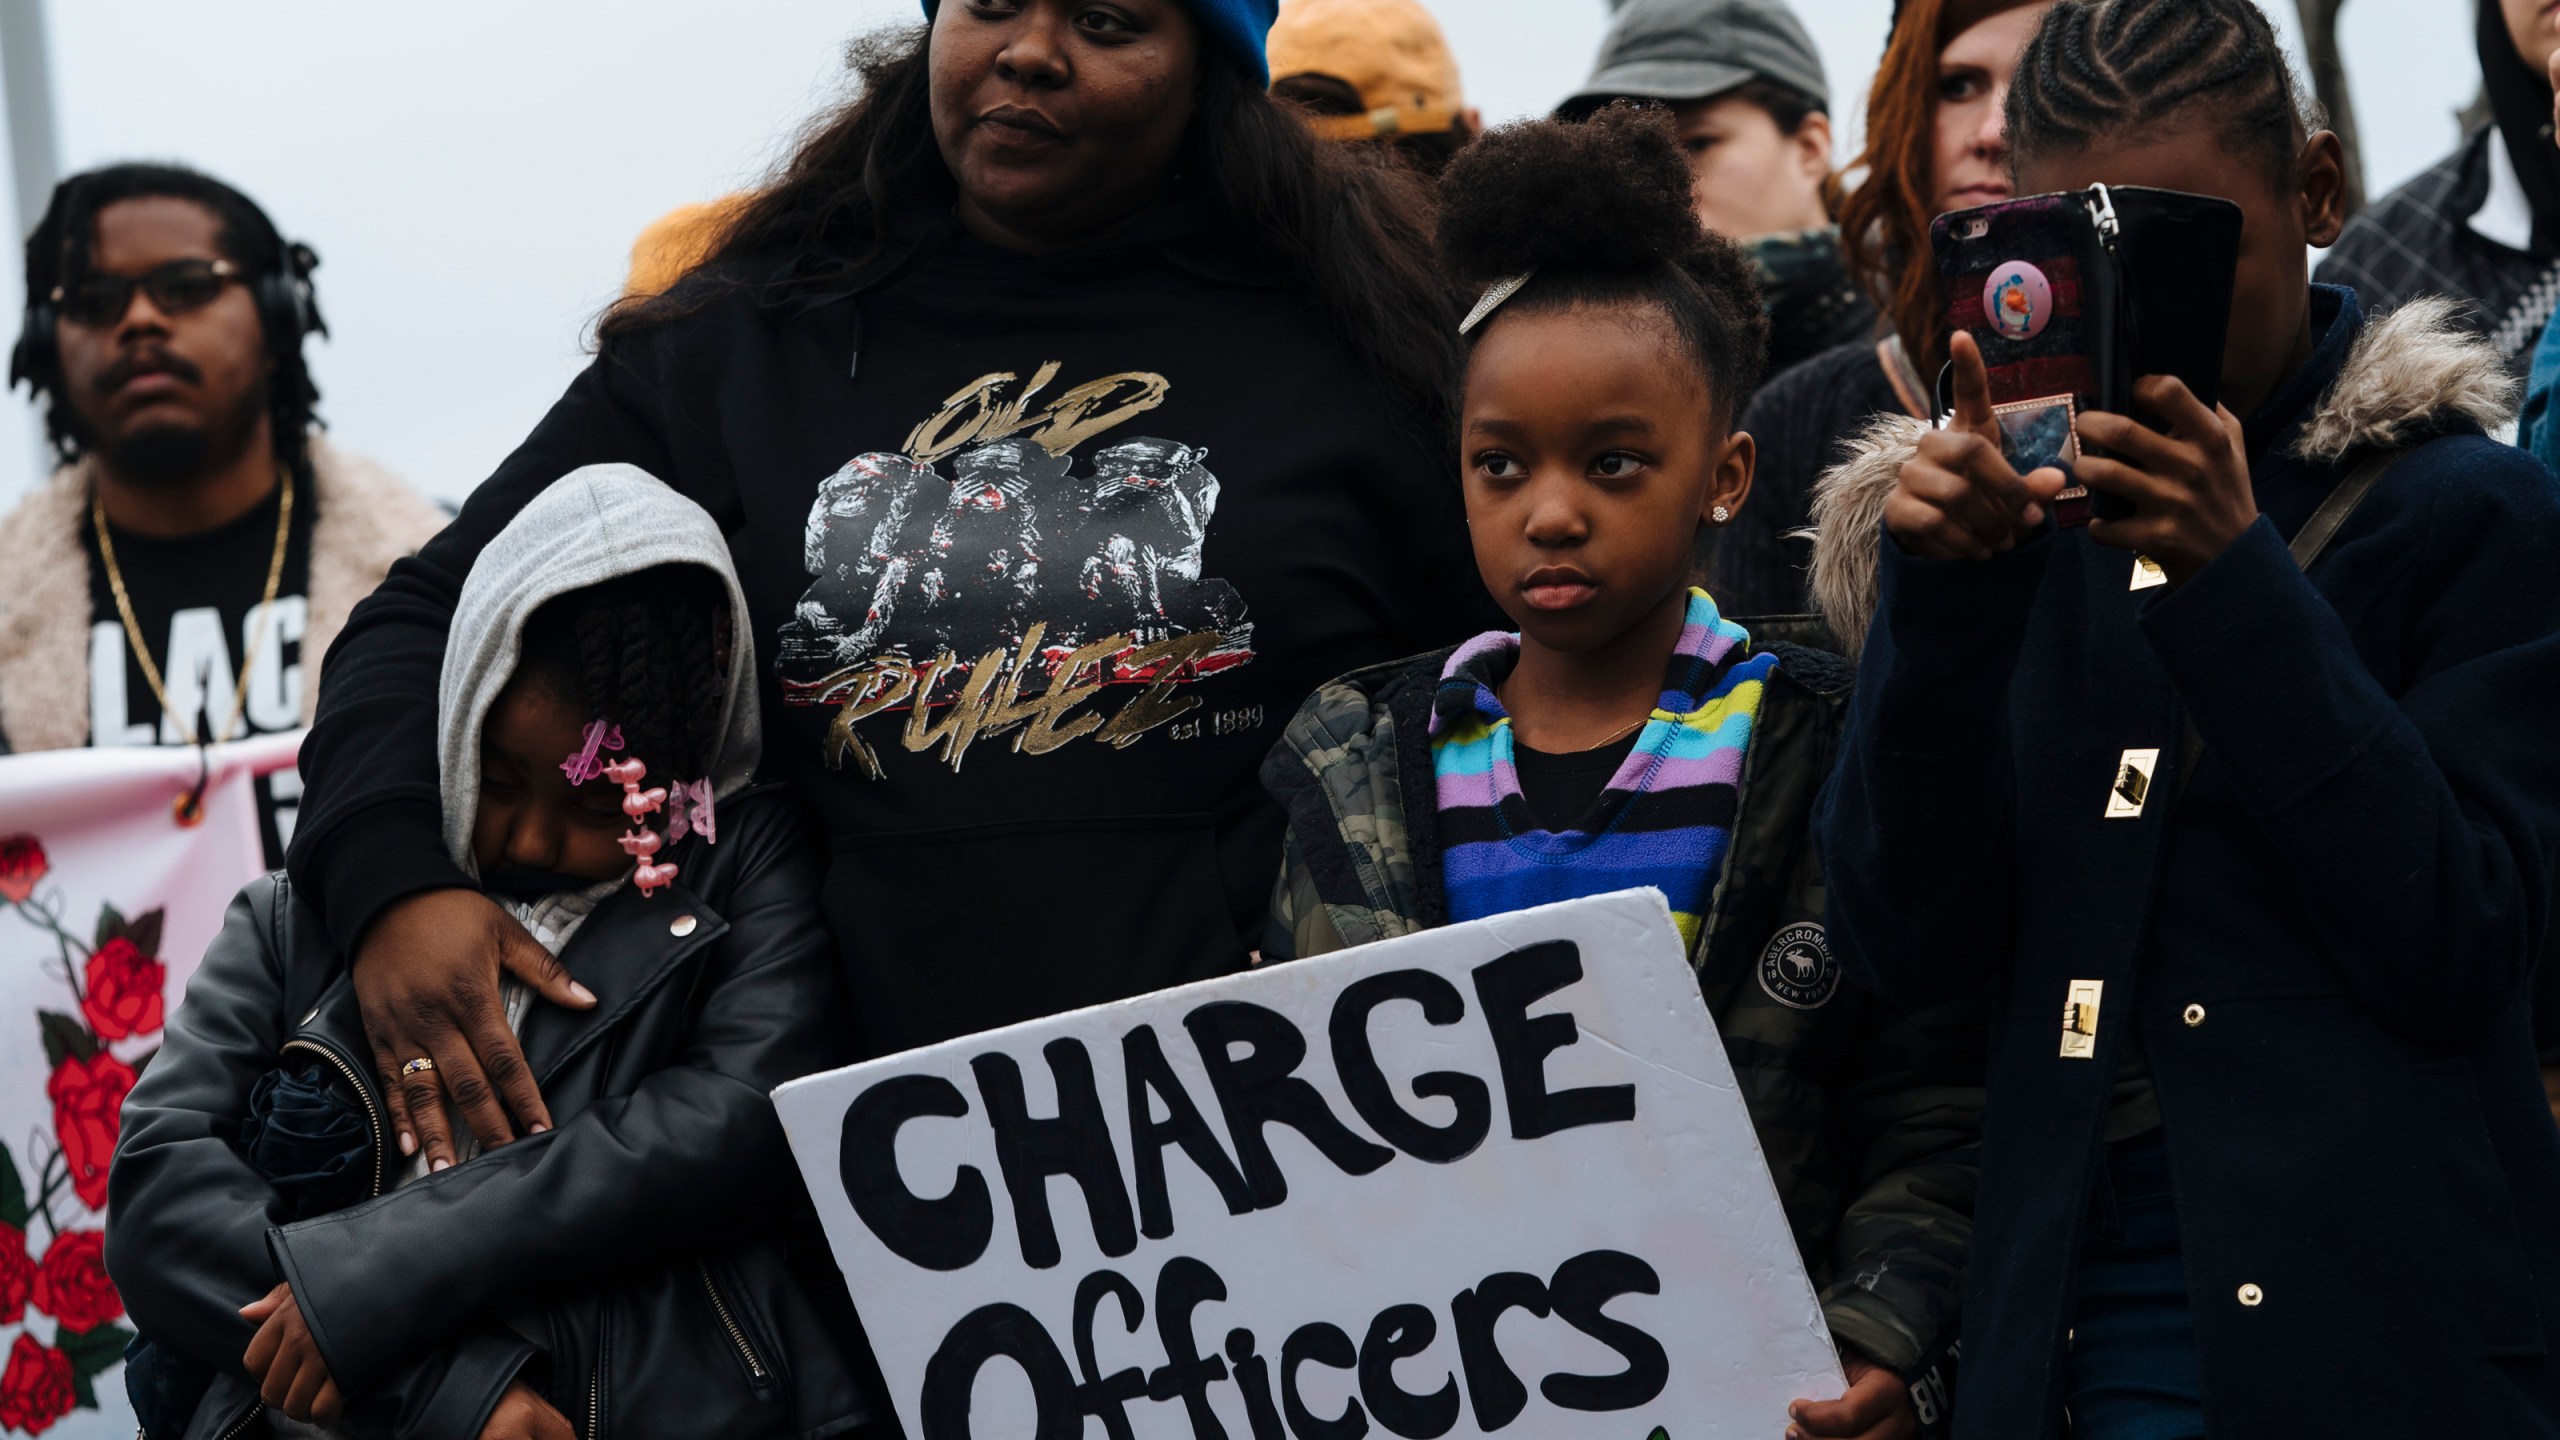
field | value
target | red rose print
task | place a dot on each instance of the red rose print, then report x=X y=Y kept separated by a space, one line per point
x=72 y=1284
x=88 y=1099
x=123 y=990
x=22 y=864
x=17 y=1275
x=36 y=1389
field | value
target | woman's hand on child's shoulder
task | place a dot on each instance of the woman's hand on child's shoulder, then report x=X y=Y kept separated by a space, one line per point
x=522 y=1414
x=426 y=976
x=1877 y=1407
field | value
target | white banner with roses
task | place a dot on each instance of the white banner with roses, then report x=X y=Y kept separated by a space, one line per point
x=114 y=875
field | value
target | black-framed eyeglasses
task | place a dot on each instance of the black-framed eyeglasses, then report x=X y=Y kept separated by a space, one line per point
x=100 y=300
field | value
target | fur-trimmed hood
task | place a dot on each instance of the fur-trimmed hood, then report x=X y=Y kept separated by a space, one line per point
x=366 y=518
x=2412 y=373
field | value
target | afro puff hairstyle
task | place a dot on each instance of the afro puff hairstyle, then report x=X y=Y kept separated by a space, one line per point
x=1599 y=213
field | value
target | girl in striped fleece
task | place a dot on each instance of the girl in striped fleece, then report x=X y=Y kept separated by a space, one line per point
x=1600 y=746
x=1627 y=734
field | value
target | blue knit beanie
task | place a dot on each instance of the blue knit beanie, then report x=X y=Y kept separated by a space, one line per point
x=1236 y=26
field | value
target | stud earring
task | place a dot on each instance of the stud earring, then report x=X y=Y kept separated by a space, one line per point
x=1722 y=514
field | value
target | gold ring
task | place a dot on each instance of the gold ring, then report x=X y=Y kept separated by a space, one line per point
x=414 y=1066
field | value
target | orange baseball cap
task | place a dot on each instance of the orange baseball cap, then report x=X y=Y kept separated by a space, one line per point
x=1391 y=51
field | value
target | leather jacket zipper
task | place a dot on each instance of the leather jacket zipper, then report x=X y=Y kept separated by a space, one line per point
x=595 y=1387
x=364 y=1092
x=729 y=1322
x=256 y=1409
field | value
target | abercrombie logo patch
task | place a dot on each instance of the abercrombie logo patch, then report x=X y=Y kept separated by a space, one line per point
x=1797 y=969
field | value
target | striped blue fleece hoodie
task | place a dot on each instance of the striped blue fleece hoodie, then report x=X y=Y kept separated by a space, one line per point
x=1664 y=820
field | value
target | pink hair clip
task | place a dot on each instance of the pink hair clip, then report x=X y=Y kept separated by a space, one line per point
x=640 y=842
x=689 y=810
x=582 y=765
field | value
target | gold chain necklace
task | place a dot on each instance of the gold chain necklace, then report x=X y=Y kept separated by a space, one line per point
x=257 y=622
x=1613 y=736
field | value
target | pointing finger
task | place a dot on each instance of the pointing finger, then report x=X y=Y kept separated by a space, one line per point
x=1972 y=387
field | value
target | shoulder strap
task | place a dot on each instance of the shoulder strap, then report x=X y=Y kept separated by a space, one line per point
x=2308 y=544
x=2322 y=527
x=1904 y=377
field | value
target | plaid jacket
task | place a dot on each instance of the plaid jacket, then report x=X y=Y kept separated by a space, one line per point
x=1869 y=1118
x=2417 y=240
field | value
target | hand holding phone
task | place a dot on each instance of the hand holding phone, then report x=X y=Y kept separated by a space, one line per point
x=1959 y=498
x=2187 y=490
x=2070 y=296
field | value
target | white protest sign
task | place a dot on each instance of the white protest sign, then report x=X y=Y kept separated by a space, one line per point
x=1494 y=1179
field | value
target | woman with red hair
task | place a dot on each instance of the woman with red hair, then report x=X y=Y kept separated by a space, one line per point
x=1934 y=144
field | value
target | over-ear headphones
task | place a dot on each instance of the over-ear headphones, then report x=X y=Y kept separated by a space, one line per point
x=31 y=360
x=286 y=306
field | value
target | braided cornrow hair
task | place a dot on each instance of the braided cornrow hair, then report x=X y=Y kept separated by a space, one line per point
x=2098 y=67
x=643 y=651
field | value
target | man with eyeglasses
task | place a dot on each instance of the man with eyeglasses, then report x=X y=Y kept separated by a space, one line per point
x=177 y=580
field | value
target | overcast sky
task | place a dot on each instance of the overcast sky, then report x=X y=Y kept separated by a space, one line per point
x=472 y=171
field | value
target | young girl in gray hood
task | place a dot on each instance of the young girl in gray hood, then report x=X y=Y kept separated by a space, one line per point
x=649 y=1266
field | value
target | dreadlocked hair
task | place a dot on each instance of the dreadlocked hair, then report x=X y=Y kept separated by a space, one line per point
x=643 y=651
x=2098 y=67
x=1598 y=213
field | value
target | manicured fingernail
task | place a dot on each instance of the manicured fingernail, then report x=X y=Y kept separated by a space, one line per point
x=538 y=1129
x=439 y=1165
x=408 y=1143
x=585 y=995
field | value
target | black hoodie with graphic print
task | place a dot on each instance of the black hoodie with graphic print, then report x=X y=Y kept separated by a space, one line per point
x=1042 y=552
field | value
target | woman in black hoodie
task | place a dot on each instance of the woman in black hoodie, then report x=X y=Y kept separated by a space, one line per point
x=1071 y=414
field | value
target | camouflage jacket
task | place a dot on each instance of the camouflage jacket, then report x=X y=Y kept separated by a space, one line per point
x=1870 y=1118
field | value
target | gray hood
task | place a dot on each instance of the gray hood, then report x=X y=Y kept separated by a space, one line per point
x=590 y=526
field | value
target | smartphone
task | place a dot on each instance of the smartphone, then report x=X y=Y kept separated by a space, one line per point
x=2074 y=296
x=2178 y=264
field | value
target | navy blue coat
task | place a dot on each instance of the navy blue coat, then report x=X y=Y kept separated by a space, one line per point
x=2326 y=951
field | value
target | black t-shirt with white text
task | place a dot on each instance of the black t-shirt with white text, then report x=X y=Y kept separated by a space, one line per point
x=196 y=599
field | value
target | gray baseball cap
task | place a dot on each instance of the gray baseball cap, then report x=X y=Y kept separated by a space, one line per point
x=1690 y=49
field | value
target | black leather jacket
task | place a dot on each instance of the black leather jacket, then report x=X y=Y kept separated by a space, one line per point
x=652 y=1264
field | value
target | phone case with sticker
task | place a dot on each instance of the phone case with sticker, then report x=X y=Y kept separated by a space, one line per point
x=2030 y=281
x=2072 y=297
